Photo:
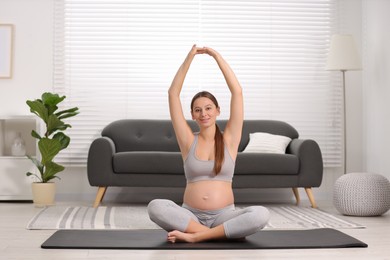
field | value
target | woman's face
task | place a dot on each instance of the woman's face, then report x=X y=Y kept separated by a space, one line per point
x=204 y=112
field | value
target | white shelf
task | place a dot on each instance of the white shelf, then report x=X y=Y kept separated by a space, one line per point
x=15 y=185
x=9 y=129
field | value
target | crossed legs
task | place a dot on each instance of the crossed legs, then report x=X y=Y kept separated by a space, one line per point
x=196 y=232
x=192 y=225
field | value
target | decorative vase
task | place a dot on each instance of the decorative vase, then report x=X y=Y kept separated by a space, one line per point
x=43 y=193
x=18 y=147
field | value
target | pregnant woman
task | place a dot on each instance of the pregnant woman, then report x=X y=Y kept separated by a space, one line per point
x=208 y=210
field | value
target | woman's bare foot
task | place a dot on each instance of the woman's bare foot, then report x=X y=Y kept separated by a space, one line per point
x=178 y=236
x=214 y=233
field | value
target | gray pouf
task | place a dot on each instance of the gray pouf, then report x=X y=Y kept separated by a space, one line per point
x=362 y=194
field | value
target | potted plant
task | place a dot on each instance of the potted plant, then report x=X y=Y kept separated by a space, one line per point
x=50 y=144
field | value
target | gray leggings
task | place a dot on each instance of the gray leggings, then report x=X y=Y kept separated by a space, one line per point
x=237 y=223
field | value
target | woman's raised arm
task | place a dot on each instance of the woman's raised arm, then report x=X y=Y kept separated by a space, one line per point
x=183 y=132
x=233 y=130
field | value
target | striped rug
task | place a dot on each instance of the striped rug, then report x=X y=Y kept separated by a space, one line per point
x=136 y=217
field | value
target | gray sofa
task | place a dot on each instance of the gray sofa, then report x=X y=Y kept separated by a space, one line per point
x=144 y=153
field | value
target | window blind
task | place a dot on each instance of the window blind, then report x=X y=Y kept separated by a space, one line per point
x=116 y=59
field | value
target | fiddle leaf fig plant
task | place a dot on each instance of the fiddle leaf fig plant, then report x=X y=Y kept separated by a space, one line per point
x=53 y=140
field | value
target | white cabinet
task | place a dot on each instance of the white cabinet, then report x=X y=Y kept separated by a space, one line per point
x=14 y=184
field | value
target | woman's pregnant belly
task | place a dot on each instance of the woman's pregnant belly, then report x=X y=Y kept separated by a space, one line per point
x=209 y=195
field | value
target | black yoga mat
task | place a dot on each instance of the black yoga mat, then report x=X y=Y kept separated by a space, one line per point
x=156 y=239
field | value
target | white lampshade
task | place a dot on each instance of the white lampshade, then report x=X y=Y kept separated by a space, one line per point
x=343 y=54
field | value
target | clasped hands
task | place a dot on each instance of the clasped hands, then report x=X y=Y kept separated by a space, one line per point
x=203 y=50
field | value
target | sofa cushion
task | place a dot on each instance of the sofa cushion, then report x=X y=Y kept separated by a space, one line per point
x=266 y=163
x=148 y=162
x=144 y=135
x=159 y=135
x=172 y=163
x=267 y=143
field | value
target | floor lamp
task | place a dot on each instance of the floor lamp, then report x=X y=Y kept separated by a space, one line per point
x=343 y=56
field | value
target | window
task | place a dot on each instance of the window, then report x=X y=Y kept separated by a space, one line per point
x=116 y=59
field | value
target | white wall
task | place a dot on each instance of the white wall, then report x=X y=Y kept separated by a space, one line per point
x=376 y=83
x=32 y=71
x=33 y=20
x=351 y=19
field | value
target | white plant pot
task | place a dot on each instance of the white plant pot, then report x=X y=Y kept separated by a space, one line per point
x=43 y=193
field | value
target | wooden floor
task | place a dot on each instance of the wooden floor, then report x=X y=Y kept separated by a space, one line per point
x=18 y=243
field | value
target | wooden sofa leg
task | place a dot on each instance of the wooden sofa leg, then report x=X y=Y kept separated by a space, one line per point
x=309 y=193
x=99 y=196
x=296 y=194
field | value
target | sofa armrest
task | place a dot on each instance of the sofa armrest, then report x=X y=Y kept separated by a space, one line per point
x=99 y=165
x=310 y=161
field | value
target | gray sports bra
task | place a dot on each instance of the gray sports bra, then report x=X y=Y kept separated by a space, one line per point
x=200 y=170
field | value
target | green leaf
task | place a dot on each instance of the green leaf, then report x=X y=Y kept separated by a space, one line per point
x=54 y=124
x=63 y=139
x=51 y=109
x=67 y=115
x=64 y=127
x=73 y=111
x=52 y=169
x=35 y=134
x=33 y=174
x=49 y=148
x=38 y=108
x=51 y=99
x=37 y=163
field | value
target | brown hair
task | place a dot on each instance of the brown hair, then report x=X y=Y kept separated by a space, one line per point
x=219 y=147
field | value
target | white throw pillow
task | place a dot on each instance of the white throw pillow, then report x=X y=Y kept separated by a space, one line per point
x=267 y=143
